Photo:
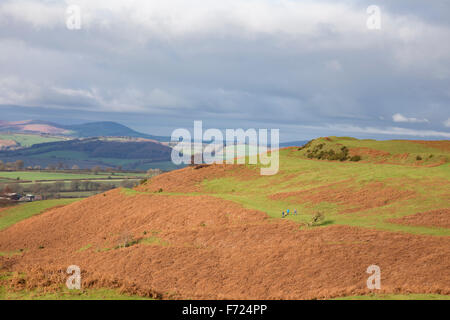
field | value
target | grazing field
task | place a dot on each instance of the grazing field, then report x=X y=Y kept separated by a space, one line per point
x=355 y=194
x=217 y=232
x=53 y=176
x=27 y=140
x=66 y=184
x=12 y=215
x=92 y=152
x=66 y=294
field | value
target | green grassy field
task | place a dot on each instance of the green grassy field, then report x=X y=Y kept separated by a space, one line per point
x=45 y=154
x=299 y=174
x=12 y=215
x=78 y=155
x=392 y=151
x=115 y=180
x=430 y=186
x=42 y=175
x=27 y=140
x=66 y=294
x=60 y=184
x=391 y=146
x=163 y=165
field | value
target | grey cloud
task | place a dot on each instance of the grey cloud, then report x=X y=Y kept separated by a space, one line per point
x=232 y=64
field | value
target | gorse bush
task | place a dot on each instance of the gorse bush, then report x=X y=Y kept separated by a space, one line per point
x=317 y=219
x=306 y=146
x=355 y=158
x=322 y=153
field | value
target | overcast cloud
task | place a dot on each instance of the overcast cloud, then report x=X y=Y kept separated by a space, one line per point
x=310 y=68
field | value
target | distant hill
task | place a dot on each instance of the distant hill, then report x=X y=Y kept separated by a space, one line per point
x=91 y=129
x=33 y=126
x=108 y=129
x=88 y=152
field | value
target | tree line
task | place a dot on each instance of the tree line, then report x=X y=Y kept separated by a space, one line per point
x=17 y=165
x=20 y=165
x=58 y=188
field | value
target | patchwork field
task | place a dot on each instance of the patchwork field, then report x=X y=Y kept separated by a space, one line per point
x=128 y=153
x=55 y=176
x=25 y=140
x=217 y=232
x=66 y=183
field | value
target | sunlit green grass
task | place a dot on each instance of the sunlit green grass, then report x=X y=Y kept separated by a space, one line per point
x=154 y=241
x=66 y=294
x=12 y=215
x=43 y=175
x=431 y=186
x=391 y=146
x=27 y=140
x=86 y=247
x=11 y=253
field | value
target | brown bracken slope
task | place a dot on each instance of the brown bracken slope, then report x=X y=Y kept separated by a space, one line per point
x=435 y=218
x=202 y=247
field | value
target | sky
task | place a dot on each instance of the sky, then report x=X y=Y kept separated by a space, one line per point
x=308 y=68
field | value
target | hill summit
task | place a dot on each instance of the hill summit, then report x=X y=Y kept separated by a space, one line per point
x=85 y=130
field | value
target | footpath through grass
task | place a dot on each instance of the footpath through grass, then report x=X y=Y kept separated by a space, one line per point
x=429 y=187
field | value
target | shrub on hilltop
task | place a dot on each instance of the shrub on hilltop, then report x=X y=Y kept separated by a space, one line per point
x=327 y=151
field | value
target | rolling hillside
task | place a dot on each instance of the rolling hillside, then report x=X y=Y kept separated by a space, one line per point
x=108 y=129
x=216 y=232
x=85 y=153
x=18 y=140
x=407 y=152
x=91 y=129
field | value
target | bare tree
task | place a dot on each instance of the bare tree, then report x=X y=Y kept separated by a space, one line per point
x=96 y=169
x=59 y=186
x=153 y=172
x=19 y=164
x=75 y=185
